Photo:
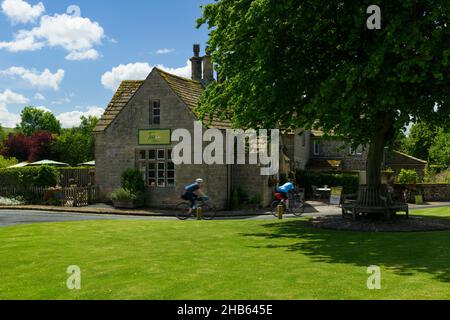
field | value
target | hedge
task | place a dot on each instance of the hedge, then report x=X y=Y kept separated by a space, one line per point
x=349 y=181
x=43 y=176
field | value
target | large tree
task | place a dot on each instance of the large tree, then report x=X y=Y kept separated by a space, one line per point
x=34 y=120
x=315 y=64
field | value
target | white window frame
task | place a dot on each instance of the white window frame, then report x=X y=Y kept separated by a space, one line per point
x=316 y=147
x=159 y=173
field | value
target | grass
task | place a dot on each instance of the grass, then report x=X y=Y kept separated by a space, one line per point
x=253 y=259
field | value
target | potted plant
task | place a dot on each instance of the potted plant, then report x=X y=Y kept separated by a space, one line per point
x=123 y=198
x=132 y=193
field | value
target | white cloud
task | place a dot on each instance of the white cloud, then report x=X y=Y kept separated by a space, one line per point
x=20 y=11
x=164 y=51
x=75 y=34
x=61 y=101
x=132 y=71
x=8 y=97
x=90 y=54
x=44 y=109
x=39 y=96
x=182 y=71
x=138 y=71
x=45 y=80
x=72 y=118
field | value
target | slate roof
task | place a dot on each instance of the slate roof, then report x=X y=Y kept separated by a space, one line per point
x=188 y=91
x=123 y=95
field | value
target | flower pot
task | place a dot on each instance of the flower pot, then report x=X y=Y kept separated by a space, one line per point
x=124 y=204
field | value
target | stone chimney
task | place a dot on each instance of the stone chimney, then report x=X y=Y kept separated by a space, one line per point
x=196 y=62
x=208 y=70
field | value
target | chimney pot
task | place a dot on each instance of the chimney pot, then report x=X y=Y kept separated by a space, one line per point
x=196 y=64
x=196 y=50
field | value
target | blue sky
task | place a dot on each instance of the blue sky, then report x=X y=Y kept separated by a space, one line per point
x=71 y=64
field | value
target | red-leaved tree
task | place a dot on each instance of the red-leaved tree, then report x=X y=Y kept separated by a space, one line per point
x=34 y=148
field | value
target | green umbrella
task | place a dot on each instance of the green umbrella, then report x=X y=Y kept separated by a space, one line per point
x=48 y=163
x=87 y=164
x=19 y=165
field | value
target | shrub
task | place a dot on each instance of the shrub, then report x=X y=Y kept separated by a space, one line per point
x=7 y=162
x=46 y=177
x=306 y=179
x=29 y=177
x=132 y=180
x=408 y=177
x=123 y=195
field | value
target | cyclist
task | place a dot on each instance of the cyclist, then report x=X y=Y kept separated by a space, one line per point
x=284 y=190
x=192 y=192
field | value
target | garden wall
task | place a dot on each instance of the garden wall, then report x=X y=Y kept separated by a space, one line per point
x=430 y=192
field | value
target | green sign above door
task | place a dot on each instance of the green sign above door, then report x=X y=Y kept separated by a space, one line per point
x=154 y=137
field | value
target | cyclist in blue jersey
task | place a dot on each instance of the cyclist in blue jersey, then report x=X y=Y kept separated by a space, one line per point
x=192 y=192
x=284 y=190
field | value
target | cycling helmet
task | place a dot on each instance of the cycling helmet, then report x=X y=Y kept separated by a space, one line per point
x=199 y=180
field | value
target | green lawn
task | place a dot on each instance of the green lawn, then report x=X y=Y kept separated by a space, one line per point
x=265 y=259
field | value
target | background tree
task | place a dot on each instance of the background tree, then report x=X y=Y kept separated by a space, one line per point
x=76 y=145
x=16 y=146
x=2 y=137
x=33 y=120
x=312 y=64
x=440 y=150
x=420 y=140
x=34 y=148
x=40 y=146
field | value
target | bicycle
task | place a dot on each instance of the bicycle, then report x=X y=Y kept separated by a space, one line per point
x=208 y=211
x=296 y=206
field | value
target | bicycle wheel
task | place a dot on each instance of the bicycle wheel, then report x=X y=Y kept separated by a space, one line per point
x=273 y=208
x=208 y=212
x=182 y=211
x=298 y=209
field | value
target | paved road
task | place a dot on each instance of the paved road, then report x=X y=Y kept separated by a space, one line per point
x=17 y=217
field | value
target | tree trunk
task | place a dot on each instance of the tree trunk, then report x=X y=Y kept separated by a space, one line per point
x=376 y=150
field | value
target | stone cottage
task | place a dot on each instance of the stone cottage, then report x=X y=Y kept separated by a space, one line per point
x=135 y=130
x=309 y=150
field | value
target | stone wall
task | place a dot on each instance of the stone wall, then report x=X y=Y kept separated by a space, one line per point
x=248 y=179
x=430 y=192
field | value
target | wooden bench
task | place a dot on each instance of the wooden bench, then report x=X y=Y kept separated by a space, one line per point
x=373 y=200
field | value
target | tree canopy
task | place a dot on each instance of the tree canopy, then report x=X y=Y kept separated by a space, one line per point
x=420 y=140
x=34 y=120
x=440 y=150
x=314 y=64
x=77 y=145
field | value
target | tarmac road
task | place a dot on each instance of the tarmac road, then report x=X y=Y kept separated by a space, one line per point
x=16 y=217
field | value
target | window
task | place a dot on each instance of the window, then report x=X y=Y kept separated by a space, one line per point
x=155 y=112
x=316 y=147
x=157 y=167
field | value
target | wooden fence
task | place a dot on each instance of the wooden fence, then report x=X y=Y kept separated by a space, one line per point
x=79 y=177
x=64 y=197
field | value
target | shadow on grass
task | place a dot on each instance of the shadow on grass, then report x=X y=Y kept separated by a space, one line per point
x=401 y=253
